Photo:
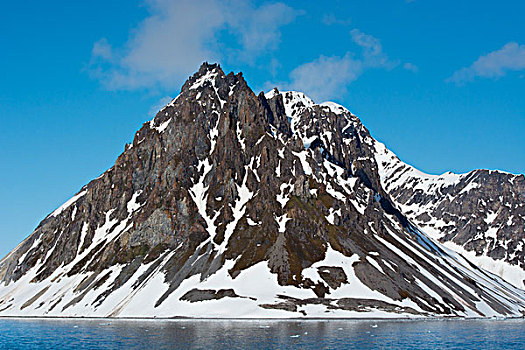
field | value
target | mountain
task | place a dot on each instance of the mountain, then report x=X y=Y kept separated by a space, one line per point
x=231 y=204
x=480 y=214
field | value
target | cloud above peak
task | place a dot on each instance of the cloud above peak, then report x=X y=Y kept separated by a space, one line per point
x=328 y=77
x=178 y=35
x=496 y=64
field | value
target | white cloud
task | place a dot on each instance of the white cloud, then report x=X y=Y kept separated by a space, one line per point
x=330 y=19
x=328 y=77
x=495 y=64
x=373 y=55
x=179 y=35
x=101 y=49
x=371 y=45
x=258 y=29
x=411 y=67
x=161 y=103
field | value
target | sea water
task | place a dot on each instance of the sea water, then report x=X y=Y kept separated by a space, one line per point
x=261 y=334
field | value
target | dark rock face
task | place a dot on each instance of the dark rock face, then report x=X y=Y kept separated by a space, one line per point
x=196 y=295
x=222 y=181
x=348 y=304
x=334 y=276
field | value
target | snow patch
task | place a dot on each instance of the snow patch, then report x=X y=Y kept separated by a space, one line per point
x=68 y=203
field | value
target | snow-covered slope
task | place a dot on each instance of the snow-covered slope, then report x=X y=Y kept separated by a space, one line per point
x=480 y=214
x=257 y=286
x=229 y=204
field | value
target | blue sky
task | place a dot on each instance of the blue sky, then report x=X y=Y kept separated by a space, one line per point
x=442 y=83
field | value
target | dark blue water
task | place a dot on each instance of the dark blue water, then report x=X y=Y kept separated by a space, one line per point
x=237 y=334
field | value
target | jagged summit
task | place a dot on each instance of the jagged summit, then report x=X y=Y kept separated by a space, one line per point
x=232 y=204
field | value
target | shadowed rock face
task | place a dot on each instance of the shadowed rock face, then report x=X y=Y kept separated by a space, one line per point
x=222 y=181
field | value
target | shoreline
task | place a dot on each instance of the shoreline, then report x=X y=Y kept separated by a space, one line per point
x=181 y=318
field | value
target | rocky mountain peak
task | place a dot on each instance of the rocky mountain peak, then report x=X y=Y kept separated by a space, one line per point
x=275 y=199
x=207 y=72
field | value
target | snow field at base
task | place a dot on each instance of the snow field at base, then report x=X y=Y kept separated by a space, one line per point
x=59 y=288
x=500 y=290
x=507 y=272
x=355 y=288
x=59 y=291
x=256 y=281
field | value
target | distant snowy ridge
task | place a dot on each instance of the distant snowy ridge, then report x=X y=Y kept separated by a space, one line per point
x=490 y=233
